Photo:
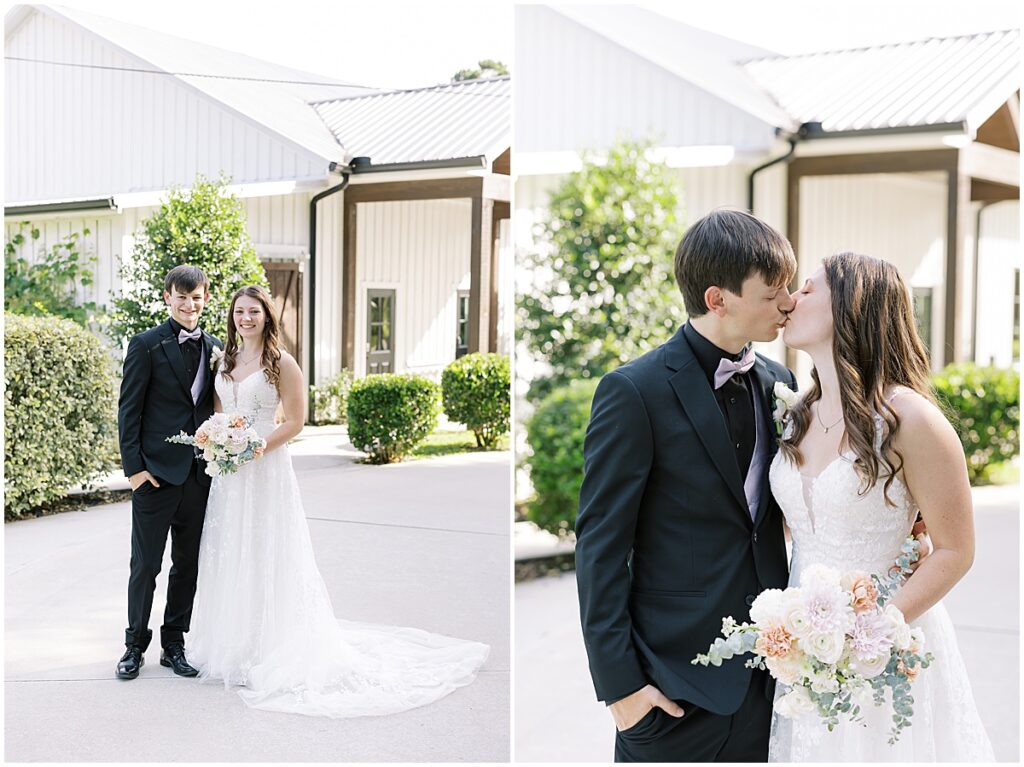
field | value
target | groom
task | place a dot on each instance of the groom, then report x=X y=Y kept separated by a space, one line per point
x=677 y=527
x=167 y=388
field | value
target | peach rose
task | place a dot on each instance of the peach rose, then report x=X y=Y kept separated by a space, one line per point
x=237 y=422
x=258 y=451
x=201 y=439
x=774 y=642
x=865 y=595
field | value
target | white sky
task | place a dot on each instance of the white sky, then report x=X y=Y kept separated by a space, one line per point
x=403 y=44
x=801 y=26
x=383 y=44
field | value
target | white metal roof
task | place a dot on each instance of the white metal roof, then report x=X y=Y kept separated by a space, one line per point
x=914 y=84
x=442 y=122
x=280 y=106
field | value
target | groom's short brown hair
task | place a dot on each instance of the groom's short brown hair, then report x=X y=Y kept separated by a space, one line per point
x=725 y=248
x=186 y=278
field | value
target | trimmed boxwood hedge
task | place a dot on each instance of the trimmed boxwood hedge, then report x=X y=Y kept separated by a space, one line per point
x=984 y=408
x=390 y=414
x=556 y=433
x=60 y=419
x=475 y=391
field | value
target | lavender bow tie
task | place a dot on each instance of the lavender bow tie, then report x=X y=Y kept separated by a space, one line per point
x=184 y=335
x=727 y=368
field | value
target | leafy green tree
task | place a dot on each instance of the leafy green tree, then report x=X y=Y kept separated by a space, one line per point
x=202 y=226
x=603 y=290
x=485 y=68
x=46 y=287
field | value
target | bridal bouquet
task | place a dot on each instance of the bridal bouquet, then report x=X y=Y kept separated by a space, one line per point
x=225 y=442
x=834 y=641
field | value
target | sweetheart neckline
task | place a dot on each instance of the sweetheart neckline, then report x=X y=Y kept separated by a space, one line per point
x=239 y=383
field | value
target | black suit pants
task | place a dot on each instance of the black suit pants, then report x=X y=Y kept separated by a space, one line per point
x=180 y=510
x=699 y=735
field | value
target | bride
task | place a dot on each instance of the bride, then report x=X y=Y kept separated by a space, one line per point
x=263 y=619
x=865 y=450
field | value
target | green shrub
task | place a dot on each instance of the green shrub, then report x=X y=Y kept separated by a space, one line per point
x=330 y=399
x=984 y=403
x=60 y=421
x=475 y=391
x=389 y=414
x=202 y=226
x=556 y=433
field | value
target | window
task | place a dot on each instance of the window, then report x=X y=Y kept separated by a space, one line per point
x=462 y=324
x=923 y=313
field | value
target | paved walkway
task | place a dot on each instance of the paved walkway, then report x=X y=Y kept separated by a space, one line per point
x=557 y=718
x=423 y=544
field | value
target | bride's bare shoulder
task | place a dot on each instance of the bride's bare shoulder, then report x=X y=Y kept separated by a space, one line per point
x=919 y=417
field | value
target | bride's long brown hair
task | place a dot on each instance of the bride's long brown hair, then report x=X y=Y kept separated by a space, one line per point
x=271 y=358
x=875 y=346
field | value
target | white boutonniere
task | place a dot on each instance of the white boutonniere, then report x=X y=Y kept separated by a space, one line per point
x=785 y=399
x=216 y=355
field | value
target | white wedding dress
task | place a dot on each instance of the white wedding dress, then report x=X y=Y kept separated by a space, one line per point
x=832 y=525
x=263 y=619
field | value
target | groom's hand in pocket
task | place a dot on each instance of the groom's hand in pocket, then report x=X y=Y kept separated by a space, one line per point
x=631 y=709
x=139 y=479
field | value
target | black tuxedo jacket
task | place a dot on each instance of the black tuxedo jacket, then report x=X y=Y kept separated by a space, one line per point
x=156 y=403
x=665 y=546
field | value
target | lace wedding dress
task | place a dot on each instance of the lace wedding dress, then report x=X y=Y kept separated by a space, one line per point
x=263 y=619
x=832 y=525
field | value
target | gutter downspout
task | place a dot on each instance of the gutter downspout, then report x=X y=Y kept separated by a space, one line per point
x=312 y=277
x=792 y=139
x=974 y=278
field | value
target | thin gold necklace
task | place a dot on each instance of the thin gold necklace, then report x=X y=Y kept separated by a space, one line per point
x=253 y=357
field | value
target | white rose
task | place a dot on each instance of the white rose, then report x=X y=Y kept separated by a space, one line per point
x=917 y=640
x=862 y=695
x=213 y=469
x=869 y=668
x=794 y=703
x=786 y=394
x=785 y=670
x=767 y=608
x=901 y=635
x=794 y=614
x=208 y=454
x=823 y=682
x=825 y=646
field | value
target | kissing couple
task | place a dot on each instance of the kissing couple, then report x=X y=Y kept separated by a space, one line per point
x=240 y=545
x=688 y=488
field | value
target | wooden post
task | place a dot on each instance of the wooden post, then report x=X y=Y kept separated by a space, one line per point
x=480 y=279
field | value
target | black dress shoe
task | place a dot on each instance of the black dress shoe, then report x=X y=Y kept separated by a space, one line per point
x=173 y=657
x=130 y=663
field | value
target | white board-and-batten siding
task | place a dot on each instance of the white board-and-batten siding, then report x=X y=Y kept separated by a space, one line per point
x=998 y=275
x=561 y=65
x=277 y=225
x=421 y=250
x=107 y=131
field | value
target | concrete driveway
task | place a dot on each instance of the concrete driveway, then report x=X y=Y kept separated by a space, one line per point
x=423 y=544
x=558 y=719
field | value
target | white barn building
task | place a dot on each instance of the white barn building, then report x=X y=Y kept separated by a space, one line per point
x=382 y=218
x=909 y=152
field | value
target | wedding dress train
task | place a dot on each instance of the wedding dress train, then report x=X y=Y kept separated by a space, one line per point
x=263 y=619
